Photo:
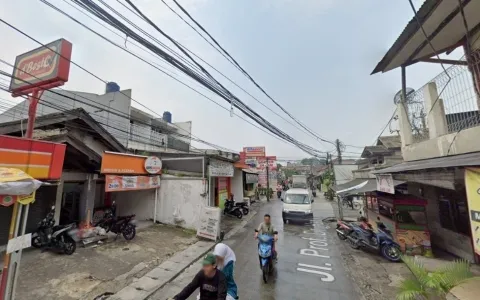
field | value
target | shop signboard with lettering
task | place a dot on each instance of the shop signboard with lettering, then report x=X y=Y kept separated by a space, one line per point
x=472 y=184
x=385 y=183
x=218 y=168
x=209 y=223
x=254 y=152
x=116 y=183
x=43 y=68
x=130 y=164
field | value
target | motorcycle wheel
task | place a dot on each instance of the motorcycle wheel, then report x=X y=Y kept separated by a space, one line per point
x=341 y=236
x=265 y=271
x=36 y=242
x=245 y=211
x=239 y=214
x=129 y=232
x=391 y=252
x=356 y=205
x=354 y=243
x=69 y=245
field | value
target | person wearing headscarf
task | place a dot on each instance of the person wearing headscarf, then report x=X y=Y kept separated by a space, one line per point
x=226 y=263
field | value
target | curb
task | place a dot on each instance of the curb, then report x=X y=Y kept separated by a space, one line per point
x=148 y=285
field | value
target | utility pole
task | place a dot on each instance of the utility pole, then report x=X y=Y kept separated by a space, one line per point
x=268 y=181
x=338 y=145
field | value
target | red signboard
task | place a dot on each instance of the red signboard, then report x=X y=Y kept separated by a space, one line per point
x=44 y=68
x=41 y=160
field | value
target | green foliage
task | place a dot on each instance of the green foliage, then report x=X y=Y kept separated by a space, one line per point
x=432 y=285
x=313 y=161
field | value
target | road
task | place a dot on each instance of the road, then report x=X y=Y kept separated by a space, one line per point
x=309 y=265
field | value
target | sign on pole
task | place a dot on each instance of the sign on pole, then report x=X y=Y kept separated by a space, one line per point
x=19 y=243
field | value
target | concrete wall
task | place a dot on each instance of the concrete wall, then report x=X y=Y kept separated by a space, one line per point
x=462 y=143
x=184 y=128
x=180 y=201
x=343 y=173
x=237 y=185
x=118 y=102
x=452 y=242
x=141 y=203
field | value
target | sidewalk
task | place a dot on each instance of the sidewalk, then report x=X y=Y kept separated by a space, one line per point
x=349 y=214
x=144 y=287
x=94 y=270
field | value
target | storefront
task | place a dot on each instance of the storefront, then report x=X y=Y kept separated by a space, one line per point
x=405 y=216
x=41 y=160
x=221 y=174
x=132 y=181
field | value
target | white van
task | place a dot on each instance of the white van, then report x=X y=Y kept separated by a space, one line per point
x=297 y=205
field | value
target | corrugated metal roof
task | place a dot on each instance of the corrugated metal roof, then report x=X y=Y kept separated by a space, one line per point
x=461 y=160
x=349 y=184
x=392 y=141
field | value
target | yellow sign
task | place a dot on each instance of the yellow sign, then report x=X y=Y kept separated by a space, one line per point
x=472 y=183
x=26 y=199
x=10 y=174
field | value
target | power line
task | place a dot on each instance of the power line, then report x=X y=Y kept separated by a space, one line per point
x=236 y=64
x=243 y=108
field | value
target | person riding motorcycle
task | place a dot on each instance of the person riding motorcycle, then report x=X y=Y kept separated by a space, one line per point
x=211 y=282
x=266 y=227
x=226 y=263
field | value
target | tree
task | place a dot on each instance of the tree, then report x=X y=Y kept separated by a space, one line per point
x=279 y=166
x=313 y=161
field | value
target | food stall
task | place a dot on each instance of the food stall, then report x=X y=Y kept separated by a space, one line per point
x=405 y=216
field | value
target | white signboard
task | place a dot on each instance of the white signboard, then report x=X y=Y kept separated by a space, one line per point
x=153 y=165
x=220 y=168
x=19 y=243
x=209 y=223
x=385 y=184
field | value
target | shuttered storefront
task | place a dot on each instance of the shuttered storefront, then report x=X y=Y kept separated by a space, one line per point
x=5 y=217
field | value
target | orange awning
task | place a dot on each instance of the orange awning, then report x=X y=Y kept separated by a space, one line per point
x=241 y=165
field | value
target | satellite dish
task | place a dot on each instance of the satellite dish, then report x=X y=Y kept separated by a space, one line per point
x=398 y=96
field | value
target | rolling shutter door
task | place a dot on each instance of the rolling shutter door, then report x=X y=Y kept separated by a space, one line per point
x=44 y=200
x=5 y=218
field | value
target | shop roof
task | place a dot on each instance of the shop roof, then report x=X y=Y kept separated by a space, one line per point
x=444 y=26
x=371 y=186
x=349 y=184
x=461 y=160
x=75 y=118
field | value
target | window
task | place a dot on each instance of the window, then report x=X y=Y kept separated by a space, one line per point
x=453 y=212
x=297 y=199
x=413 y=215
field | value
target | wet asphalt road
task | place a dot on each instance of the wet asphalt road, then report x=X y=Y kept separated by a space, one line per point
x=309 y=264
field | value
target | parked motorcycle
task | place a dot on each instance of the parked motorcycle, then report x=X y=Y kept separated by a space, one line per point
x=243 y=206
x=381 y=241
x=265 y=255
x=58 y=238
x=232 y=209
x=124 y=225
x=343 y=229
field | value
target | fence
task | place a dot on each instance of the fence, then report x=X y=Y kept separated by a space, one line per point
x=457 y=90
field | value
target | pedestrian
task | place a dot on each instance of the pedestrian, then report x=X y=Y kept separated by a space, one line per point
x=209 y=280
x=226 y=263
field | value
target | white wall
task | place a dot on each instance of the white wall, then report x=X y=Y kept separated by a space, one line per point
x=184 y=128
x=180 y=201
x=343 y=173
x=237 y=185
x=118 y=102
x=141 y=203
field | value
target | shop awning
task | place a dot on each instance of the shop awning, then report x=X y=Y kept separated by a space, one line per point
x=250 y=171
x=348 y=185
x=442 y=22
x=461 y=160
x=371 y=186
x=241 y=165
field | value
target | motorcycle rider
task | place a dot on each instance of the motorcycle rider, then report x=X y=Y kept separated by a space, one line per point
x=279 y=190
x=266 y=227
x=209 y=280
x=226 y=263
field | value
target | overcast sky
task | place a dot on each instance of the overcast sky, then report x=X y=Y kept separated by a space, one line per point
x=314 y=57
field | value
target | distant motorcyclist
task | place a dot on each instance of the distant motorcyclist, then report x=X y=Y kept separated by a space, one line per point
x=266 y=227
